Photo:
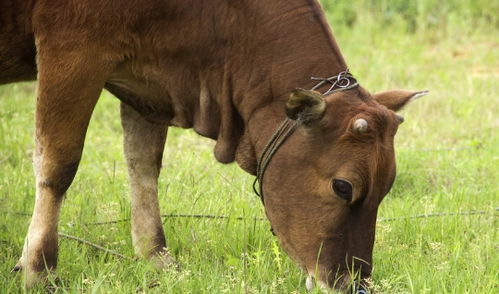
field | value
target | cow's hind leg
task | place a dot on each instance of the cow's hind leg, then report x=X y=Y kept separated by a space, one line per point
x=70 y=82
x=144 y=143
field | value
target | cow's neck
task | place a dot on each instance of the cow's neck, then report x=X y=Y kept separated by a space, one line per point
x=291 y=45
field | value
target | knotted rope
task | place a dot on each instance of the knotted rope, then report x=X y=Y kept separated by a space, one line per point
x=343 y=81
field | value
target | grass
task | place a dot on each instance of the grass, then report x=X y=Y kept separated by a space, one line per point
x=447 y=154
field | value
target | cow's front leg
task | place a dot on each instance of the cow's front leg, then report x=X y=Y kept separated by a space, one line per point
x=70 y=82
x=144 y=143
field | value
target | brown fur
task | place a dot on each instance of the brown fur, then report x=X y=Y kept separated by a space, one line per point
x=225 y=69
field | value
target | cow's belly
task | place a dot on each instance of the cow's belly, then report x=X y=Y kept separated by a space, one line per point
x=175 y=98
x=143 y=101
x=152 y=92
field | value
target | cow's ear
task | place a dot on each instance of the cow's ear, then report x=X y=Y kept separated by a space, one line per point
x=305 y=106
x=396 y=99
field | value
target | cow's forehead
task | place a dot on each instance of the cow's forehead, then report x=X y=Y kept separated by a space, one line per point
x=343 y=110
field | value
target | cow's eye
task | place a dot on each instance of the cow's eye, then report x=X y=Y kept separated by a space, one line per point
x=343 y=189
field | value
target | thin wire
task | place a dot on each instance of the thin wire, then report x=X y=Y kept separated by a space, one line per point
x=390 y=219
x=115 y=253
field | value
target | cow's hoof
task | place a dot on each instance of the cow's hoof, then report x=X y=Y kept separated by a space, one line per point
x=19 y=266
x=310 y=284
x=164 y=261
x=31 y=278
x=16 y=268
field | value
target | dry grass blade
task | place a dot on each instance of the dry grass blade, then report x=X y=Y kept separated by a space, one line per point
x=96 y=246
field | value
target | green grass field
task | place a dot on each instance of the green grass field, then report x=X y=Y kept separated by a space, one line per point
x=448 y=161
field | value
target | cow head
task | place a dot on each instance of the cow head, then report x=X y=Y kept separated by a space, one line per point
x=324 y=185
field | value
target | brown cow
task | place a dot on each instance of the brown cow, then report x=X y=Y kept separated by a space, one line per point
x=225 y=69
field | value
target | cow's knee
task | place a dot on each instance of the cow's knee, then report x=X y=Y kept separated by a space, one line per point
x=58 y=176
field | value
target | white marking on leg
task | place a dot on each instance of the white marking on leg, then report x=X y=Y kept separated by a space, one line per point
x=144 y=143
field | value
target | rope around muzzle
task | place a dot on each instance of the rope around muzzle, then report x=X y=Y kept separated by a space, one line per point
x=341 y=82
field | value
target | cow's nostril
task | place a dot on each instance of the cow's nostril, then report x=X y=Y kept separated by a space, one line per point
x=343 y=189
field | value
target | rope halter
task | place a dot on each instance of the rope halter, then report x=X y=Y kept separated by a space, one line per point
x=341 y=82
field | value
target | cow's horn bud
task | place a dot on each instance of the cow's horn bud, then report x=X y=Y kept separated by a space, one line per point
x=360 y=125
